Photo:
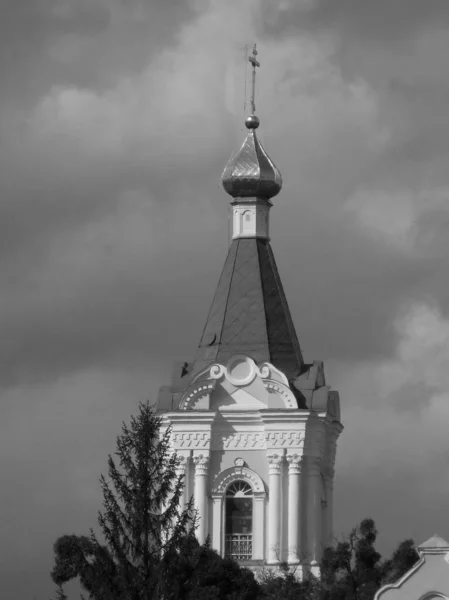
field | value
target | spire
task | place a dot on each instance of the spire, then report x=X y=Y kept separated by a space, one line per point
x=249 y=313
x=250 y=173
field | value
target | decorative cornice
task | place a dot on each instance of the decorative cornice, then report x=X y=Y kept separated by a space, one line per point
x=256 y=440
x=246 y=440
x=282 y=439
x=191 y=439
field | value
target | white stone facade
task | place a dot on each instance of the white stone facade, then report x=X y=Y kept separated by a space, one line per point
x=241 y=423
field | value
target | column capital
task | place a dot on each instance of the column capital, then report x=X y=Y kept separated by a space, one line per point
x=201 y=462
x=275 y=463
x=294 y=463
x=181 y=467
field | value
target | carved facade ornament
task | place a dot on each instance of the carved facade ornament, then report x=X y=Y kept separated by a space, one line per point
x=247 y=440
x=240 y=370
x=285 y=392
x=281 y=439
x=275 y=462
x=294 y=463
x=188 y=402
x=201 y=464
x=191 y=439
x=183 y=461
x=237 y=473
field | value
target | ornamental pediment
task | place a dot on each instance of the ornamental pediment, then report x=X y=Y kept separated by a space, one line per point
x=241 y=384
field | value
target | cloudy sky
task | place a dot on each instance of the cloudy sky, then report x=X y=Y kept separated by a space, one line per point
x=116 y=120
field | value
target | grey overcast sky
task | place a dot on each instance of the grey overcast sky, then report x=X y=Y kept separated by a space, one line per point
x=116 y=120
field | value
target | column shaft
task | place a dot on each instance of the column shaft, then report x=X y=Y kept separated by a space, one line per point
x=274 y=508
x=258 y=527
x=294 y=507
x=201 y=500
x=182 y=469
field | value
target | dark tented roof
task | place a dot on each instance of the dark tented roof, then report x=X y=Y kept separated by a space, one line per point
x=249 y=313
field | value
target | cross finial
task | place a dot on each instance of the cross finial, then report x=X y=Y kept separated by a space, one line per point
x=253 y=60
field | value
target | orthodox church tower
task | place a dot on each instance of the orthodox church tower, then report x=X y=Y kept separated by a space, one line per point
x=255 y=426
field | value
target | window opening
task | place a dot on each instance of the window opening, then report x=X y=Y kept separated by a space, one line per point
x=239 y=521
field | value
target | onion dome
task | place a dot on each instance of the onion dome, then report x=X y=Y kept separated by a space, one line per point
x=251 y=172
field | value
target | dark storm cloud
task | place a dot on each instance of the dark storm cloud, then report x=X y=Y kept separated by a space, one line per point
x=28 y=27
x=412 y=397
x=358 y=287
x=383 y=20
x=80 y=42
x=113 y=231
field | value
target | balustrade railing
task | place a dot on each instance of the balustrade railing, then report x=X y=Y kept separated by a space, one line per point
x=239 y=546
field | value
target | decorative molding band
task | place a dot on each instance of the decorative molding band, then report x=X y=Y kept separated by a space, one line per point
x=191 y=439
x=256 y=440
x=222 y=440
x=282 y=439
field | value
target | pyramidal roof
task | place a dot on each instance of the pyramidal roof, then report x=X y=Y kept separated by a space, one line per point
x=434 y=542
x=249 y=313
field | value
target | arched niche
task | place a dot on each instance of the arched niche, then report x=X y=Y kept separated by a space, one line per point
x=226 y=480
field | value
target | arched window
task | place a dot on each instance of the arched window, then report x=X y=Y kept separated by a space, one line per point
x=247 y=224
x=239 y=521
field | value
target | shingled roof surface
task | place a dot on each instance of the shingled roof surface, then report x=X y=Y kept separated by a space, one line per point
x=249 y=313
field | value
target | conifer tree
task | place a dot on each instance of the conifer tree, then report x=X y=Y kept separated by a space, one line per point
x=141 y=522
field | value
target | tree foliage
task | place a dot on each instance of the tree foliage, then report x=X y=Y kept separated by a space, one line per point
x=149 y=549
x=402 y=560
x=141 y=521
x=354 y=570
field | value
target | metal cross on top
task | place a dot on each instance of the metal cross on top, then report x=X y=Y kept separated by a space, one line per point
x=252 y=59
